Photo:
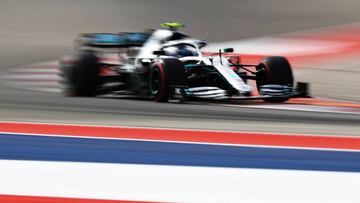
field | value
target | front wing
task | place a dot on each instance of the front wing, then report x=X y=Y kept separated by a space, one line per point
x=301 y=90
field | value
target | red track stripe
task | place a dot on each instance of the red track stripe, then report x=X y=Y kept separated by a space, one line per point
x=38 y=199
x=241 y=138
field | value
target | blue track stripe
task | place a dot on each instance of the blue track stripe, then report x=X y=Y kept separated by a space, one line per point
x=25 y=147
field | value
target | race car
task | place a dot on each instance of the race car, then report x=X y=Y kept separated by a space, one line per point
x=166 y=64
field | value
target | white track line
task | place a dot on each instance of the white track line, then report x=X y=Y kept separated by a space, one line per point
x=175 y=183
x=43 y=77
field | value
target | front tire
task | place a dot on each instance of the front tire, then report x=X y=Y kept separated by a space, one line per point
x=164 y=74
x=274 y=70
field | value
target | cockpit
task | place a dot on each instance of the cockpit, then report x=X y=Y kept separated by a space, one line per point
x=181 y=50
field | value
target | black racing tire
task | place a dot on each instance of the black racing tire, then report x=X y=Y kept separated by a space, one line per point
x=277 y=71
x=164 y=74
x=80 y=74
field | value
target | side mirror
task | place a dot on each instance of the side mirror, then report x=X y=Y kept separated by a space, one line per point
x=159 y=52
x=228 y=50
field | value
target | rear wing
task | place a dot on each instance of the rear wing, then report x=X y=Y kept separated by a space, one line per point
x=112 y=40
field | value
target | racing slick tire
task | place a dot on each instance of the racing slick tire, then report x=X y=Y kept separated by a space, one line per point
x=276 y=71
x=80 y=74
x=164 y=75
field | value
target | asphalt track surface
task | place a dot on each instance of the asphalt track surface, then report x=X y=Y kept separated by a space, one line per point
x=42 y=30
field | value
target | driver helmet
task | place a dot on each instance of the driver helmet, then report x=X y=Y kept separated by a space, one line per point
x=184 y=51
x=171 y=51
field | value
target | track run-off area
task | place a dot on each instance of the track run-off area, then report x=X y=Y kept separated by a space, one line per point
x=75 y=163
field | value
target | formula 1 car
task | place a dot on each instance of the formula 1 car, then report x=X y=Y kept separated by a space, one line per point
x=164 y=64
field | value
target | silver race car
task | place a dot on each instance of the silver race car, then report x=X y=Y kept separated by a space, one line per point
x=166 y=64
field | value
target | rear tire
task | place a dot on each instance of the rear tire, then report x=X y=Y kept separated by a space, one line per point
x=80 y=74
x=277 y=71
x=165 y=74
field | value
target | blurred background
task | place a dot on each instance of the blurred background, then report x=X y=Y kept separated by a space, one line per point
x=37 y=31
x=42 y=30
